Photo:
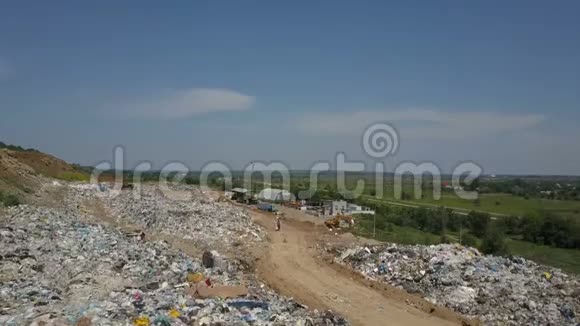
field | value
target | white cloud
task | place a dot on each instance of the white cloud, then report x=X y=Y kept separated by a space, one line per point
x=421 y=123
x=184 y=103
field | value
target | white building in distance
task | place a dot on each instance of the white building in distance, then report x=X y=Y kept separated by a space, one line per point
x=271 y=194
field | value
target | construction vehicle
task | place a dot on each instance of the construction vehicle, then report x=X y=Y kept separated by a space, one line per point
x=267 y=207
x=339 y=221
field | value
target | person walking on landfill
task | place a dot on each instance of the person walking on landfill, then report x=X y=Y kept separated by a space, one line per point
x=277 y=222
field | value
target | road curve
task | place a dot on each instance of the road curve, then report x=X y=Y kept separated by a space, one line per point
x=292 y=267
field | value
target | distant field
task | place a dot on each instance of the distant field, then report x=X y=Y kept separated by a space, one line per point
x=498 y=203
x=510 y=204
x=504 y=204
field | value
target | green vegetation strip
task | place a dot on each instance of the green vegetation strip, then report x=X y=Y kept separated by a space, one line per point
x=566 y=259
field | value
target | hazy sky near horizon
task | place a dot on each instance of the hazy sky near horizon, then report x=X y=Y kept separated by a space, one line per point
x=495 y=82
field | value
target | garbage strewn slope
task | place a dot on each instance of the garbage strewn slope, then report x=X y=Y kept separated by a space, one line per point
x=497 y=290
x=199 y=217
x=59 y=268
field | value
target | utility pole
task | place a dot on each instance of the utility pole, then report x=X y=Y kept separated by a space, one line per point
x=374 y=225
x=460 y=228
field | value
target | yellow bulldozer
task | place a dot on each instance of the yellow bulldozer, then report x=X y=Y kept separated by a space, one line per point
x=339 y=221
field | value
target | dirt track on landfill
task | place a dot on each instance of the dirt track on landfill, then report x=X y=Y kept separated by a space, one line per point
x=293 y=267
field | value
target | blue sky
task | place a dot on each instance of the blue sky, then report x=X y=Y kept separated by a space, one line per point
x=494 y=82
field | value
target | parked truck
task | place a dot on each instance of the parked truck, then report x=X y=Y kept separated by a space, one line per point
x=267 y=207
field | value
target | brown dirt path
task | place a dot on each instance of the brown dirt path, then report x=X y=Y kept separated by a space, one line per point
x=292 y=267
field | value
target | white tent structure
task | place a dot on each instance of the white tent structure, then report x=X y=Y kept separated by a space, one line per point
x=271 y=194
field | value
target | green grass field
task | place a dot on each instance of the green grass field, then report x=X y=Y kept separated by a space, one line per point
x=503 y=204
x=506 y=204
x=399 y=234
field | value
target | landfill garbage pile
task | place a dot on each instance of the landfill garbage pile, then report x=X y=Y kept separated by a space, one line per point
x=57 y=268
x=496 y=290
x=197 y=217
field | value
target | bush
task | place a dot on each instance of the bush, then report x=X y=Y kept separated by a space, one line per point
x=469 y=240
x=531 y=227
x=16 y=148
x=9 y=200
x=73 y=176
x=478 y=222
x=559 y=231
x=380 y=223
x=493 y=241
x=192 y=180
x=444 y=239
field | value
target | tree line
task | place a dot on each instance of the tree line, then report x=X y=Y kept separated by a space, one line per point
x=566 y=189
x=541 y=228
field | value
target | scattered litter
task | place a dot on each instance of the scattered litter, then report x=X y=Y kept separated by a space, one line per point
x=208 y=221
x=250 y=304
x=174 y=313
x=59 y=267
x=195 y=277
x=496 y=290
x=141 y=321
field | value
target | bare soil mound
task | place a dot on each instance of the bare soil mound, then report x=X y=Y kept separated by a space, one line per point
x=21 y=171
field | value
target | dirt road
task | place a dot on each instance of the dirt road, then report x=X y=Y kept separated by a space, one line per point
x=293 y=268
